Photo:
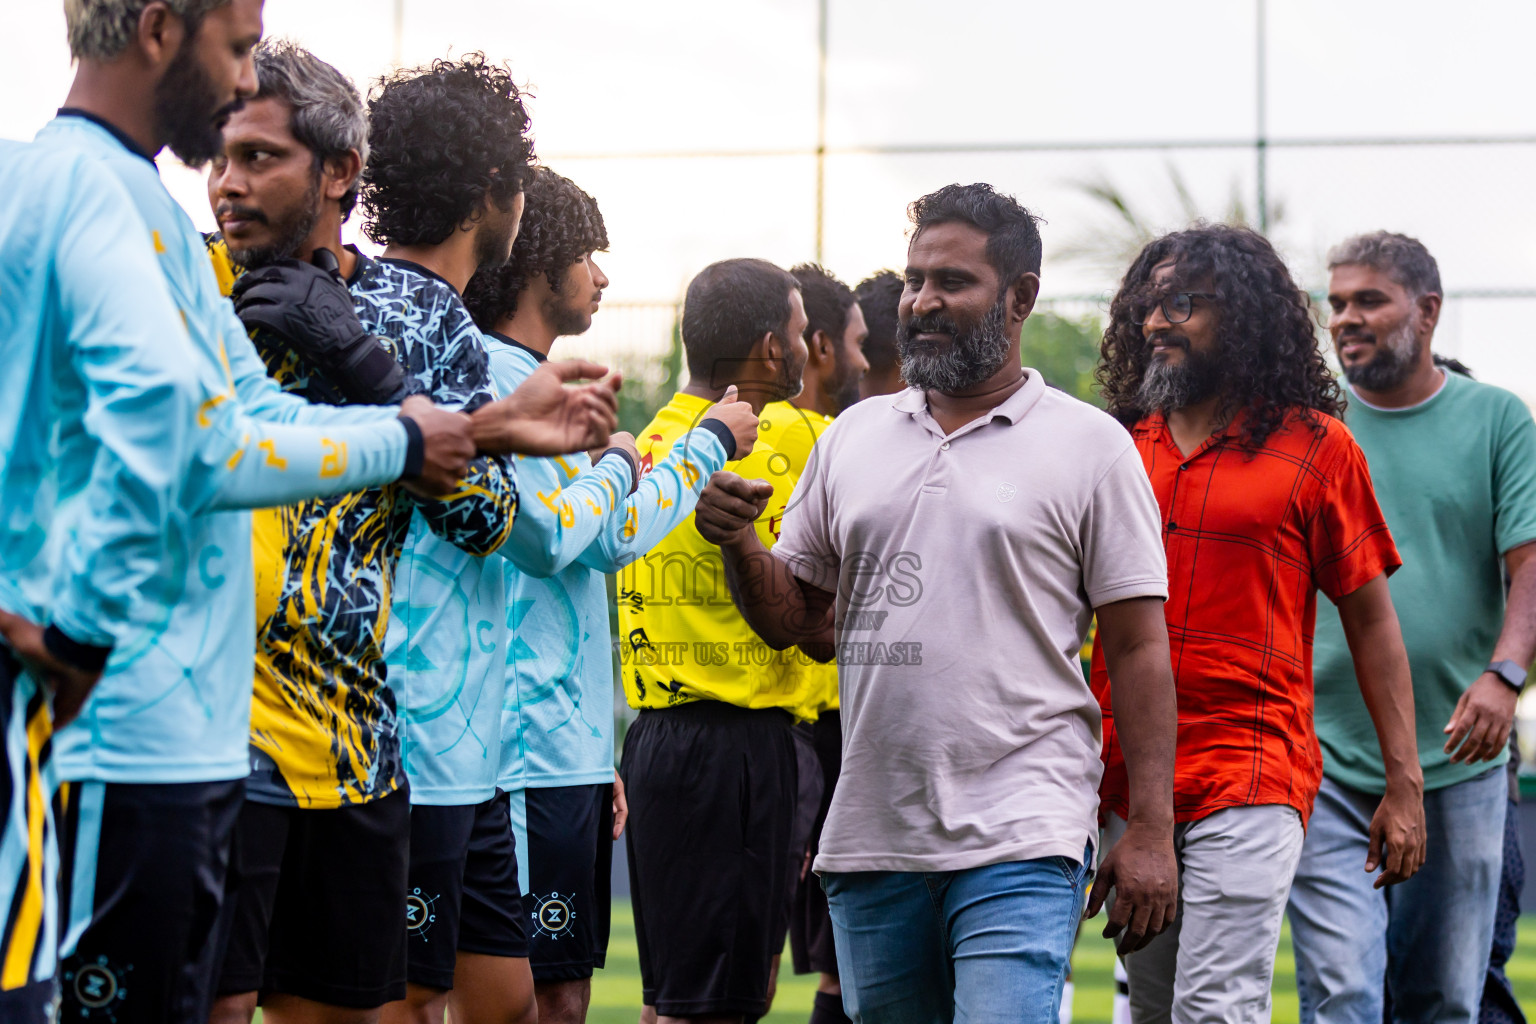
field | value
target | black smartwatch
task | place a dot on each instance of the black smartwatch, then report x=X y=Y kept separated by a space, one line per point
x=1512 y=674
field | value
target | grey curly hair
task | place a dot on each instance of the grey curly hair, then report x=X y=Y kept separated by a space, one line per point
x=1402 y=258
x=328 y=115
x=101 y=29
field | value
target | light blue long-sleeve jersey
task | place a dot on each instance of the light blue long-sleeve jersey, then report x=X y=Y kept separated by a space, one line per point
x=447 y=643
x=557 y=715
x=174 y=703
x=98 y=368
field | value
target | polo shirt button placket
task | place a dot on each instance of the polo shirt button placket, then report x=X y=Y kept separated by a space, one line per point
x=944 y=447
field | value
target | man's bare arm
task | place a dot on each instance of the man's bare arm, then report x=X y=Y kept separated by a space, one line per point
x=1141 y=868
x=782 y=609
x=1479 y=728
x=1381 y=667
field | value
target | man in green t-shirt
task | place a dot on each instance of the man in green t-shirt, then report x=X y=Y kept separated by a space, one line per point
x=1454 y=466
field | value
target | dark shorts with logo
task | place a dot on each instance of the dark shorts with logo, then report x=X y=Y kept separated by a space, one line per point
x=313 y=907
x=144 y=873
x=570 y=867
x=463 y=894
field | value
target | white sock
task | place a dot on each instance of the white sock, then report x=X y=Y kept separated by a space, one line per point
x=1122 y=1011
x=1065 y=1013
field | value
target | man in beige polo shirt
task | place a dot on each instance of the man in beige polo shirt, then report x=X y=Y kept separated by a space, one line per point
x=963 y=533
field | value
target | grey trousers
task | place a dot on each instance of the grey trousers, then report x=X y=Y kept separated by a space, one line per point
x=1216 y=962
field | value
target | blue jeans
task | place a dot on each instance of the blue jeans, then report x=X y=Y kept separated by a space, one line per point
x=1428 y=937
x=977 y=946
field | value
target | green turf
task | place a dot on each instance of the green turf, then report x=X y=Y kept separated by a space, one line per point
x=616 y=990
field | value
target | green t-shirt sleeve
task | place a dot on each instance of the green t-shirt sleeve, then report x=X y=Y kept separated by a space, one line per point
x=1514 y=476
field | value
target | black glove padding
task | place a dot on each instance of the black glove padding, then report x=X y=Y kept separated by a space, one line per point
x=311 y=310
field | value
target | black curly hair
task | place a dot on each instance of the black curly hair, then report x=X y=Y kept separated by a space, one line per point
x=879 y=297
x=1271 y=361
x=442 y=138
x=561 y=224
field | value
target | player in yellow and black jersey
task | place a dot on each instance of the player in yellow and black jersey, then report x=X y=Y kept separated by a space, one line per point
x=709 y=765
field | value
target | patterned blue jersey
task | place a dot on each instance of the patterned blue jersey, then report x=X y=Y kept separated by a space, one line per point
x=557 y=724
x=97 y=366
x=449 y=630
x=324 y=726
x=174 y=703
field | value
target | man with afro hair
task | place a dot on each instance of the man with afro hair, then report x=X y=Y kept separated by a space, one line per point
x=557 y=729
x=324 y=934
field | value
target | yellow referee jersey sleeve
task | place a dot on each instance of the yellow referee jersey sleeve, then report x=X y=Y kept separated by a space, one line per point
x=792 y=432
x=680 y=635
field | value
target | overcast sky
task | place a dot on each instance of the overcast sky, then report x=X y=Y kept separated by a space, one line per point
x=686 y=75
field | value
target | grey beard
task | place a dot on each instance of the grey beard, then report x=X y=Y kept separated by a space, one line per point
x=1391 y=365
x=1166 y=386
x=971 y=357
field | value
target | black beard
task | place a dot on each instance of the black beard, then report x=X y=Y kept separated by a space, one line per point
x=187 y=114
x=1168 y=386
x=493 y=244
x=791 y=380
x=1392 y=364
x=566 y=320
x=287 y=238
x=846 y=395
x=973 y=354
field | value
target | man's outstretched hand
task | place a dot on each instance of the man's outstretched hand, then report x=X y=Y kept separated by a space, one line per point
x=1145 y=876
x=70 y=685
x=549 y=414
x=729 y=505
x=738 y=418
x=447 y=446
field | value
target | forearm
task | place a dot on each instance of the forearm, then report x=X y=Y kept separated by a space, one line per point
x=278 y=464
x=555 y=523
x=767 y=594
x=666 y=497
x=1146 y=724
x=478 y=517
x=1386 y=683
x=1517 y=639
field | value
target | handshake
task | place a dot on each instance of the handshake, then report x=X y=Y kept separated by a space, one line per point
x=562 y=407
x=559 y=409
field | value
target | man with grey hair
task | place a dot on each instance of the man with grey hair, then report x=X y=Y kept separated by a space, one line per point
x=157 y=760
x=1453 y=462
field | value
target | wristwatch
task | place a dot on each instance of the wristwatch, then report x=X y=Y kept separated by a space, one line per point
x=1512 y=674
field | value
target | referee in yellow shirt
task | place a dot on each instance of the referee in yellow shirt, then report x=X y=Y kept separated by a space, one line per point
x=833 y=372
x=709 y=764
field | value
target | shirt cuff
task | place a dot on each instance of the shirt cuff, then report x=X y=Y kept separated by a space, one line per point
x=723 y=432
x=415 y=449
x=634 y=467
x=85 y=657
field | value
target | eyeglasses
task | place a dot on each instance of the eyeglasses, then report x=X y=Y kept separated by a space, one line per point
x=1177 y=307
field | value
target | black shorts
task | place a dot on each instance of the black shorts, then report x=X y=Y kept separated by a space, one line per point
x=32 y=1003
x=142 y=878
x=569 y=833
x=807 y=805
x=314 y=902
x=810 y=925
x=462 y=893
x=711 y=791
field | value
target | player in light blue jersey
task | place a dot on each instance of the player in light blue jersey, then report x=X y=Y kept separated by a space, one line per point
x=98 y=367
x=578 y=522
x=157 y=759
x=322 y=912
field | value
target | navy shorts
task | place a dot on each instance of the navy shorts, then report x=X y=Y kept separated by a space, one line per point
x=462 y=894
x=569 y=832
